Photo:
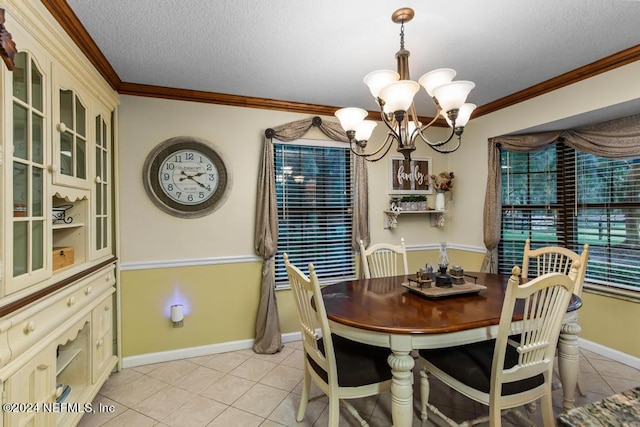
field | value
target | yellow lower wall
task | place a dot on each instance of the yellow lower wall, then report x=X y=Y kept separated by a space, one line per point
x=221 y=302
x=610 y=322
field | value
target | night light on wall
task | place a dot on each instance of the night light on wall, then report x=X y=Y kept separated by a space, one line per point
x=177 y=315
x=176 y=307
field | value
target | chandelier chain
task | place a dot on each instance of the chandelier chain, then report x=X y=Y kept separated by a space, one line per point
x=402 y=34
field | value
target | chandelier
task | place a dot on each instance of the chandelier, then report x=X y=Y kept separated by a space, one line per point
x=394 y=93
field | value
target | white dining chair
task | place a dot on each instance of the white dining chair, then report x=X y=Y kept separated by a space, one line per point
x=511 y=370
x=554 y=259
x=341 y=368
x=383 y=259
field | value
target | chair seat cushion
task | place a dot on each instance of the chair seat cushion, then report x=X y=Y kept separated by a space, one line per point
x=471 y=365
x=358 y=364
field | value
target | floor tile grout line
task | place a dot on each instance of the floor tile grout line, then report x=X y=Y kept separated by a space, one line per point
x=290 y=392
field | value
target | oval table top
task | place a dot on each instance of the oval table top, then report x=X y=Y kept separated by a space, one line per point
x=384 y=305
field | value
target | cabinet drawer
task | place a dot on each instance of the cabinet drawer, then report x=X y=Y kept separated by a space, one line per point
x=35 y=322
x=102 y=338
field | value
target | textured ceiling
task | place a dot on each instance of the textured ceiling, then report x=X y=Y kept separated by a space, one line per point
x=318 y=51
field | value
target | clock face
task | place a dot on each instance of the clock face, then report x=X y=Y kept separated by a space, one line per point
x=186 y=177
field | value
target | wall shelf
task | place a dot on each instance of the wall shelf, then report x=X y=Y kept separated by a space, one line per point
x=391 y=217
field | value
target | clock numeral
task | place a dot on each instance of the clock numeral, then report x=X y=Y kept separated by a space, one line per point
x=209 y=167
x=189 y=156
x=178 y=159
x=190 y=197
x=170 y=166
x=212 y=177
x=165 y=176
x=170 y=187
x=201 y=195
x=208 y=187
x=178 y=194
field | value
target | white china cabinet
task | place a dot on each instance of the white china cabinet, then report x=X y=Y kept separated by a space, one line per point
x=57 y=263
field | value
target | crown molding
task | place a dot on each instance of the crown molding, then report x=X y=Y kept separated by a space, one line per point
x=70 y=23
x=608 y=63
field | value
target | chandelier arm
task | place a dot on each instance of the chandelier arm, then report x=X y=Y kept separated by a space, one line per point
x=414 y=114
x=438 y=143
x=387 y=142
x=451 y=150
x=390 y=124
x=420 y=127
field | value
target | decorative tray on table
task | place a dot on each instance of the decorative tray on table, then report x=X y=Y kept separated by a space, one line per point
x=428 y=289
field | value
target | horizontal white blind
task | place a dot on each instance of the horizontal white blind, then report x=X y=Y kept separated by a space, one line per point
x=531 y=205
x=607 y=217
x=314 y=193
x=560 y=196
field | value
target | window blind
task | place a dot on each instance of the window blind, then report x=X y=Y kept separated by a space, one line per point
x=314 y=195
x=559 y=196
x=607 y=217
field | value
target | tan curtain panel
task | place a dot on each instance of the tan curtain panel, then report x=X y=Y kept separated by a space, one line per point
x=268 y=336
x=360 y=203
x=615 y=139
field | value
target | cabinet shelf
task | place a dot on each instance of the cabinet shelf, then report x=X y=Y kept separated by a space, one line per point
x=391 y=217
x=65 y=357
x=63 y=226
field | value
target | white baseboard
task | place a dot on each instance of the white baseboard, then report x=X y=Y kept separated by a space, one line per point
x=616 y=355
x=205 y=350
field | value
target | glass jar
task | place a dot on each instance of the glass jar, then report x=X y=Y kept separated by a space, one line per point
x=443 y=258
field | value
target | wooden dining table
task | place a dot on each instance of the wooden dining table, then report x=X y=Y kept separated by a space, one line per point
x=384 y=313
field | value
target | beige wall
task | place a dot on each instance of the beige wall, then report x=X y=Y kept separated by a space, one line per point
x=471 y=161
x=217 y=271
x=151 y=240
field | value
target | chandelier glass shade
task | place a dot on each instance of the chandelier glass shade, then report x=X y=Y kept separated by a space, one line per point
x=394 y=93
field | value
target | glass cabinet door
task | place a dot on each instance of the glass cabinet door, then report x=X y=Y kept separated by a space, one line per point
x=72 y=128
x=71 y=147
x=29 y=228
x=102 y=196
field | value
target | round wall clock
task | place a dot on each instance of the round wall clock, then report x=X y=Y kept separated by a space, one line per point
x=186 y=177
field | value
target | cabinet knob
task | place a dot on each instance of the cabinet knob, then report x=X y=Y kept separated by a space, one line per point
x=108 y=277
x=107 y=308
x=71 y=301
x=30 y=327
x=53 y=168
x=58 y=391
x=61 y=127
x=98 y=180
x=99 y=343
x=88 y=290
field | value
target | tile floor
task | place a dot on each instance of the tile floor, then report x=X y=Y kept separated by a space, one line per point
x=242 y=388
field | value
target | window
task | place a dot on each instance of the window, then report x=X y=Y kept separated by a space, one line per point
x=315 y=197
x=561 y=196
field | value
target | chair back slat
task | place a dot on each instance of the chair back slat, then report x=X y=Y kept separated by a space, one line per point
x=544 y=301
x=383 y=260
x=554 y=259
x=312 y=317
